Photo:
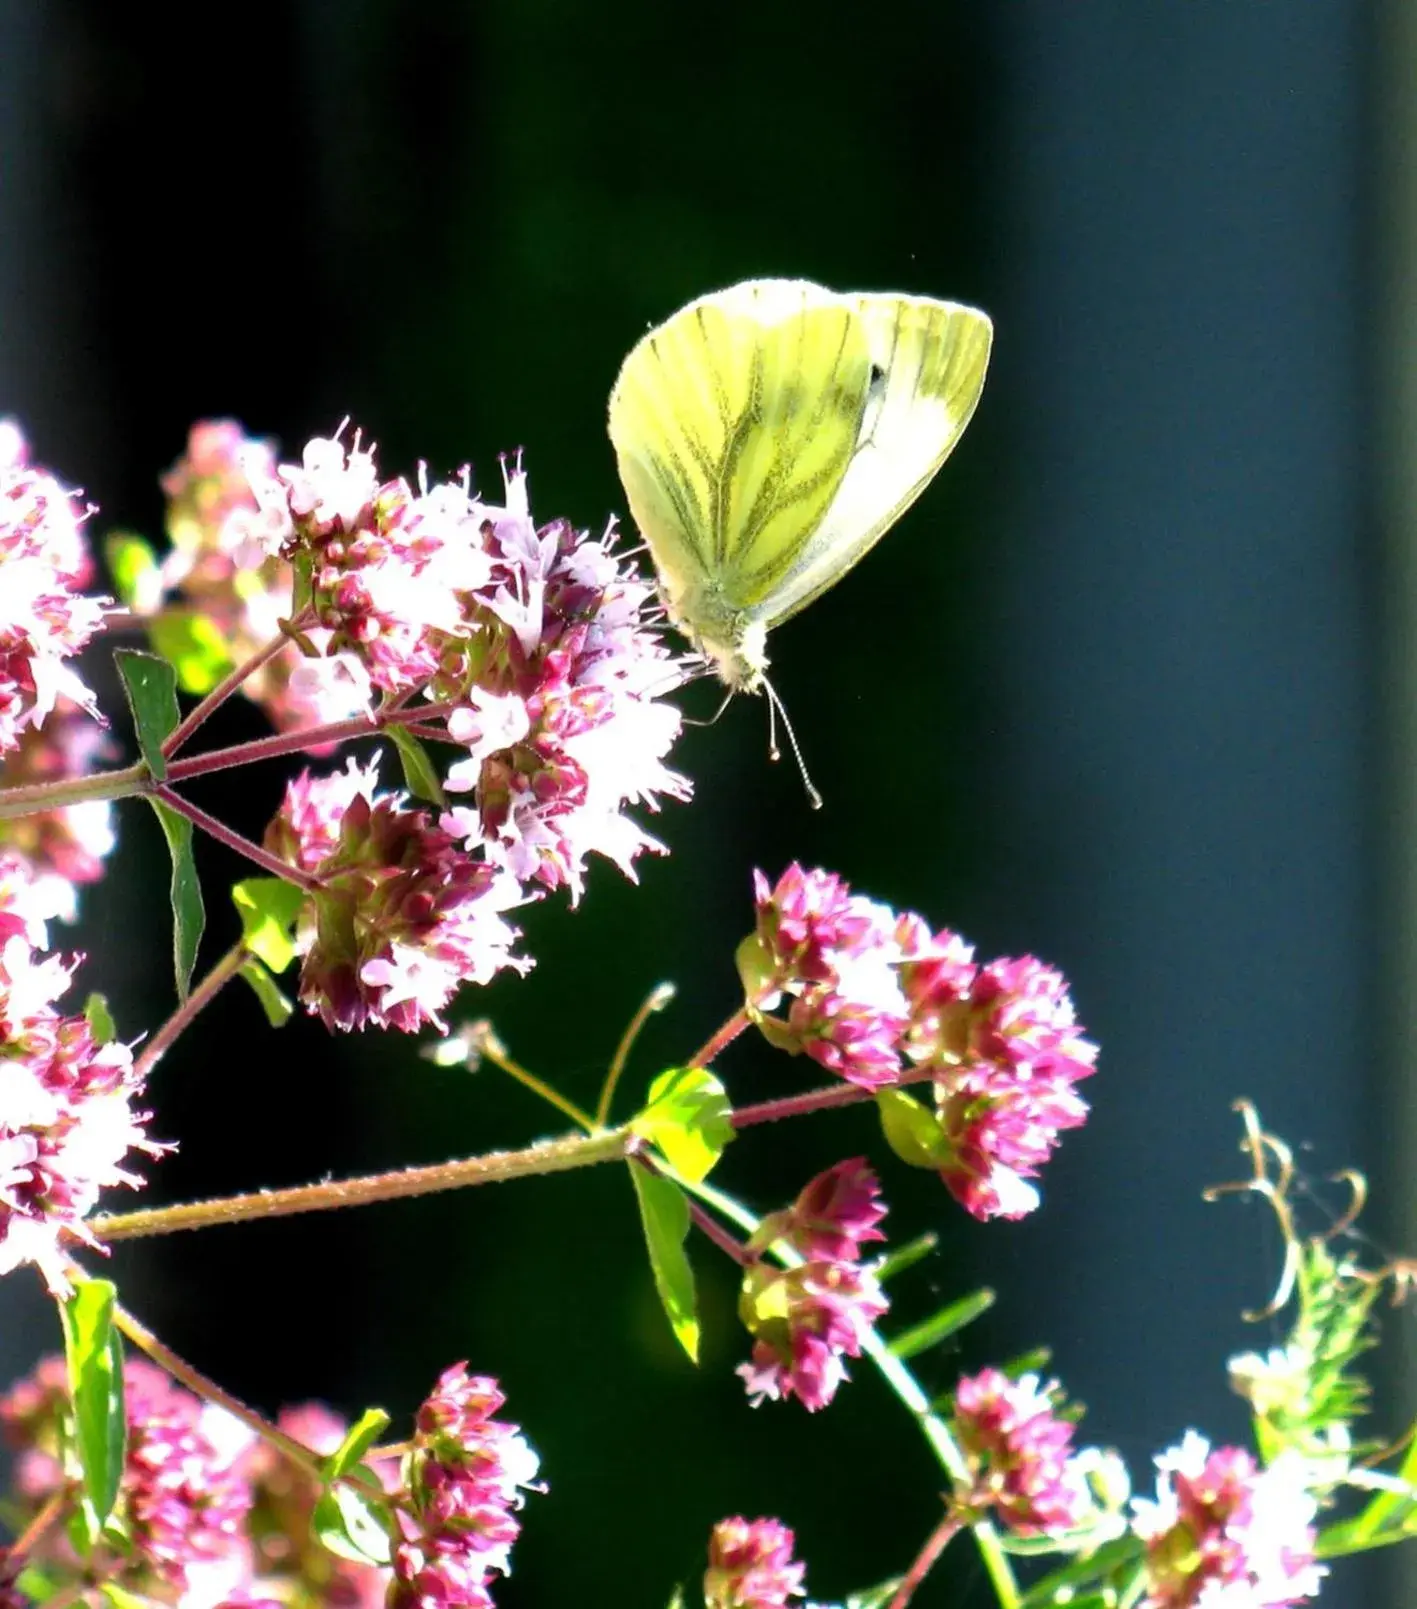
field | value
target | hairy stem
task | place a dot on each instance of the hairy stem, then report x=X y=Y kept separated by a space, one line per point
x=935 y=1544
x=819 y=1100
x=35 y=796
x=223 y=834
x=550 y=1156
x=223 y=690
x=655 y=1000
x=723 y=1036
x=201 y=997
x=206 y=1388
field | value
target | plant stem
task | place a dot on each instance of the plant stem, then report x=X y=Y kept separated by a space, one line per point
x=34 y=796
x=223 y=834
x=705 y=1221
x=904 y=1384
x=497 y=1053
x=14 y=1555
x=550 y=1156
x=819 y=1100
x=202 y=996
x=223 y=690
x=183 y=1372
x=720 y=1038
x=935 y=1544
x=270 y=748
x=656 y=1000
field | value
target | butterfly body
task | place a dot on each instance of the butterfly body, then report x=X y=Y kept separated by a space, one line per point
x=769 y=434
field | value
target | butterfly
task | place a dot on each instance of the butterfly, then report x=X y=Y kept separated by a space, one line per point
x=768 y=435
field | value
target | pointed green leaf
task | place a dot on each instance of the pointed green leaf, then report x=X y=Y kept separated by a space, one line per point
x=194 y=647
x=95 y=1357
x=121 y=1598
x=664 y=1212
x=359 y=1438
x=912 y=1131
x=268 y=907
x=355 y=1525
x=277 y=1006
x=99 y=1019
x=189 y=915
x=688 y=1118
x=876 y=1597
x=151 y=686
x=137 y=577
x=940 y=1326
x=420 y=775
x=900 y=1258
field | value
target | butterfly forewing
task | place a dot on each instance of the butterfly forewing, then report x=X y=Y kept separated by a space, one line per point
x=734 y=424
x=929 y=359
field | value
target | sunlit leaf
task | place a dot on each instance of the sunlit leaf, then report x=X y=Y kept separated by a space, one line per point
x=912 y=1130
x=189 y=915
x=99 y=1019
x=137 y=576
x=151 y=686
x=358 y=1439
x=94 y=1353
x=277 y=1006
x=943 y=1324
x=354 y=1524
x=420 y=775
x=268 y=907
x=194 y=647
x=664 y=1212
x=688 y=1117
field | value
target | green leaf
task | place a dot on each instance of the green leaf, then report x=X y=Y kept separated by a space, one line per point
x=940 y=1326
x=94 y=1353
x=355 y=1525
x=268 y=907
x=137 y=577
x=151 y=686
x=912 y=1131
x=688 y=1118
x=99 y=1019
x=420 y=775
x=189 y=915
x=664 y=1212
x=906 y=1256
x=194 y=647
x=876 y=1597
x=277 y=1006
x=359 y=1438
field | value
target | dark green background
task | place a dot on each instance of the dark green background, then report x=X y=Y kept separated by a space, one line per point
x=1104 y=694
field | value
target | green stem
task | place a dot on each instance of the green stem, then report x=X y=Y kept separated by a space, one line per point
x=203 y=995
x=550 y=1156
x=656 y=1000
x=36 y=796
x=907 y=1389
x=488 y=1045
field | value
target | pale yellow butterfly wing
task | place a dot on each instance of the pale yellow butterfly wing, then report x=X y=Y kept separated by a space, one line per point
x=929 y=360
x=734 y=426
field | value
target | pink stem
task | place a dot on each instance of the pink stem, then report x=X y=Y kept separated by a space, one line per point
x=720 y=1038
x=730 y=1244
x=820 y=1100
x=935 y=1544
x=221 y=692
x=202 y=996
x=233 y=840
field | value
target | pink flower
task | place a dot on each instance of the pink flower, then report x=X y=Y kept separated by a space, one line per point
x=559 y=690
x=1020 y=1453
x=1008 y=1053
x=44 y=618
x=1224 y=1534
x=225 y=566
x=403 y=916
x=62 y=848
x=750 y=1565
x=804 y=1321
x=66 y=1116
x=835 y=1214
x=835 y=958
x=466 y=1474
x=184 y=1494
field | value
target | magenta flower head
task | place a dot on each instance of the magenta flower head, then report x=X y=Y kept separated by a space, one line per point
x=67 y=1123
x=804 y=1321
x=465 y=1475
x=559 y=682
x=225 y=567
x=835 y=1214
x=1020 y=1453
x=66 y=847
x=1224 y=1531
x=402 y=917
x=44 y=618
x=833 y=958
x=750 y=1565
x=184 y=1494
x=1007 y=1054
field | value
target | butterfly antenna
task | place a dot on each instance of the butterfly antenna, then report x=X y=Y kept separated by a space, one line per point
x=776 y=708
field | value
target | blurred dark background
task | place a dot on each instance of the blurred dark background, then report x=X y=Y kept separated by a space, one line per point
x=1111 y=692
